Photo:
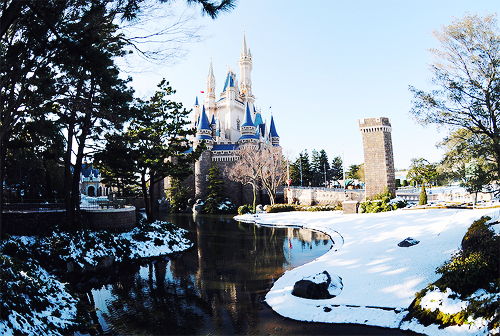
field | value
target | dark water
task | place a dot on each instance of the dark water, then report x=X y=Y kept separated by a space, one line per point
x=216 y=288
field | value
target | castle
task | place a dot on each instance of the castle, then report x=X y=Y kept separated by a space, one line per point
x=226 y=124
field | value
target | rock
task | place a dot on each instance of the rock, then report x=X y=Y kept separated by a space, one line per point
x=319 y=286
x=408 y=242
x=259 y=208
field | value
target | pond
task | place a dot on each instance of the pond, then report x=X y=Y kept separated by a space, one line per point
x=217 y=287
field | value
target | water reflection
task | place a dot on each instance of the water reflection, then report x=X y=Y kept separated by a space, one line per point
x=217 y=287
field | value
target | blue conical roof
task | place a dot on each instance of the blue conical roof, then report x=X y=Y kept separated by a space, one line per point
x=229 y=81
x=203 y=120
x=196 y=102
x=272 y=130
x=213 y=120
x=258 y=119
x=248 y=117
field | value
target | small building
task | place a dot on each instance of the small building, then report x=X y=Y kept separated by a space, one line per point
x=90 y=182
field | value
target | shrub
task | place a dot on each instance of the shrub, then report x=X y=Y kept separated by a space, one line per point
x=423 y=196
x=477 y=234
x=282 y=208
x=294 y=207
x=244 y=209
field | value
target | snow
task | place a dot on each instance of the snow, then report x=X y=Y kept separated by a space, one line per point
x=437 y=300
x=60 y=311
x=379 y=278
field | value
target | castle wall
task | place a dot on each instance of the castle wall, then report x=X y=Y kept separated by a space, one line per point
x=321 y=196
x=378 y=155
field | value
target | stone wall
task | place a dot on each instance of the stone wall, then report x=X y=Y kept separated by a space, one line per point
x=378 y=155
x=111 y=219
x=28 y=223
x=321 y=196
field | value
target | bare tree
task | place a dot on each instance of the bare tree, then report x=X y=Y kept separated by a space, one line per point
x=273 y=170
x=246 y=169
x=259 y=168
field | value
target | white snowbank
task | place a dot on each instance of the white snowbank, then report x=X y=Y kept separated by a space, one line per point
x=89 y=247
x=379 y=278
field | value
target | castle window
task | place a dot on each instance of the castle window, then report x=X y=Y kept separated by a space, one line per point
x=238 y=124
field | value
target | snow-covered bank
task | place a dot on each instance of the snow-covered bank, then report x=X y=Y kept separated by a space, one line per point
x=379 y=278
x=34 y=302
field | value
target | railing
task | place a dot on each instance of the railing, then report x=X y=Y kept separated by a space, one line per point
x=33 y=207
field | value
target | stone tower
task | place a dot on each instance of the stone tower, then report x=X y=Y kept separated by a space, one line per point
x=379 y=159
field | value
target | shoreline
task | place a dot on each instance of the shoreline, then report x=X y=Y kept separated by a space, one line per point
x=380 y=279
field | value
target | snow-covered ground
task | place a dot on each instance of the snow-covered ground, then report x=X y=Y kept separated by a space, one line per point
x=25 y=283
x=379 y=278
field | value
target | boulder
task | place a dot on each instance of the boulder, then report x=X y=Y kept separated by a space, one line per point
x=319 y=286
x=408 y=242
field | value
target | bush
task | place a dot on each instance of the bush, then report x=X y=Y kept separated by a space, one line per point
x=244 y=209
x=294 y=207
x=474 y=267
x=477 y=234
x=423 y=197
x=382 y=202
x=282 y=208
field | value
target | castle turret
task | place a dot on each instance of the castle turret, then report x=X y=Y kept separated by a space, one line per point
x=245 y=64
x=202 y=166
x=273 y=135
x=197 y=112
x=248 y=128
x=204 y=132
x=210 y=95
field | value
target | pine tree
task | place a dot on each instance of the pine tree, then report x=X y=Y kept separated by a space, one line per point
x=301 y=173
x=215 y=191
x=423 y=196
x=320 y=168
x=337 y=170
x=179 y=195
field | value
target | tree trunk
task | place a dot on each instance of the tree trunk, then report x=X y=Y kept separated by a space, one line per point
x=3 y=153
x=254 y=188
x=152 y=198
x=145 y=196
x=68 y=174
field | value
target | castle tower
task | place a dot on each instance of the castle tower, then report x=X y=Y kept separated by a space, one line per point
x=273 y=135
x=210 y=97
x=245 y=64
x=378 y=155
x=202 y=166
x=248 y=128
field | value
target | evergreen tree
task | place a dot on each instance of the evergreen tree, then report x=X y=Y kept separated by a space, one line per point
x=179 y=195
x=300 y=171
x=353 y=172
x=320 y=168
x=155 y=144
x=336 y=170
x=215 y=191
x=423 y=196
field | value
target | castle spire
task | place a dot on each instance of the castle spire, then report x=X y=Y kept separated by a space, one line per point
x=244 y=48
x=245 y=64
x=210 y=95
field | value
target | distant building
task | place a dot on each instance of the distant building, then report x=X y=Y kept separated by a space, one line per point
x=227 y=123
x=90 y=182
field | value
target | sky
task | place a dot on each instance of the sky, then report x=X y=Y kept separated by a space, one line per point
x=319 y=67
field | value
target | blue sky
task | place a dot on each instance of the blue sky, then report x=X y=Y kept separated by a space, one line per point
x=321 y=66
